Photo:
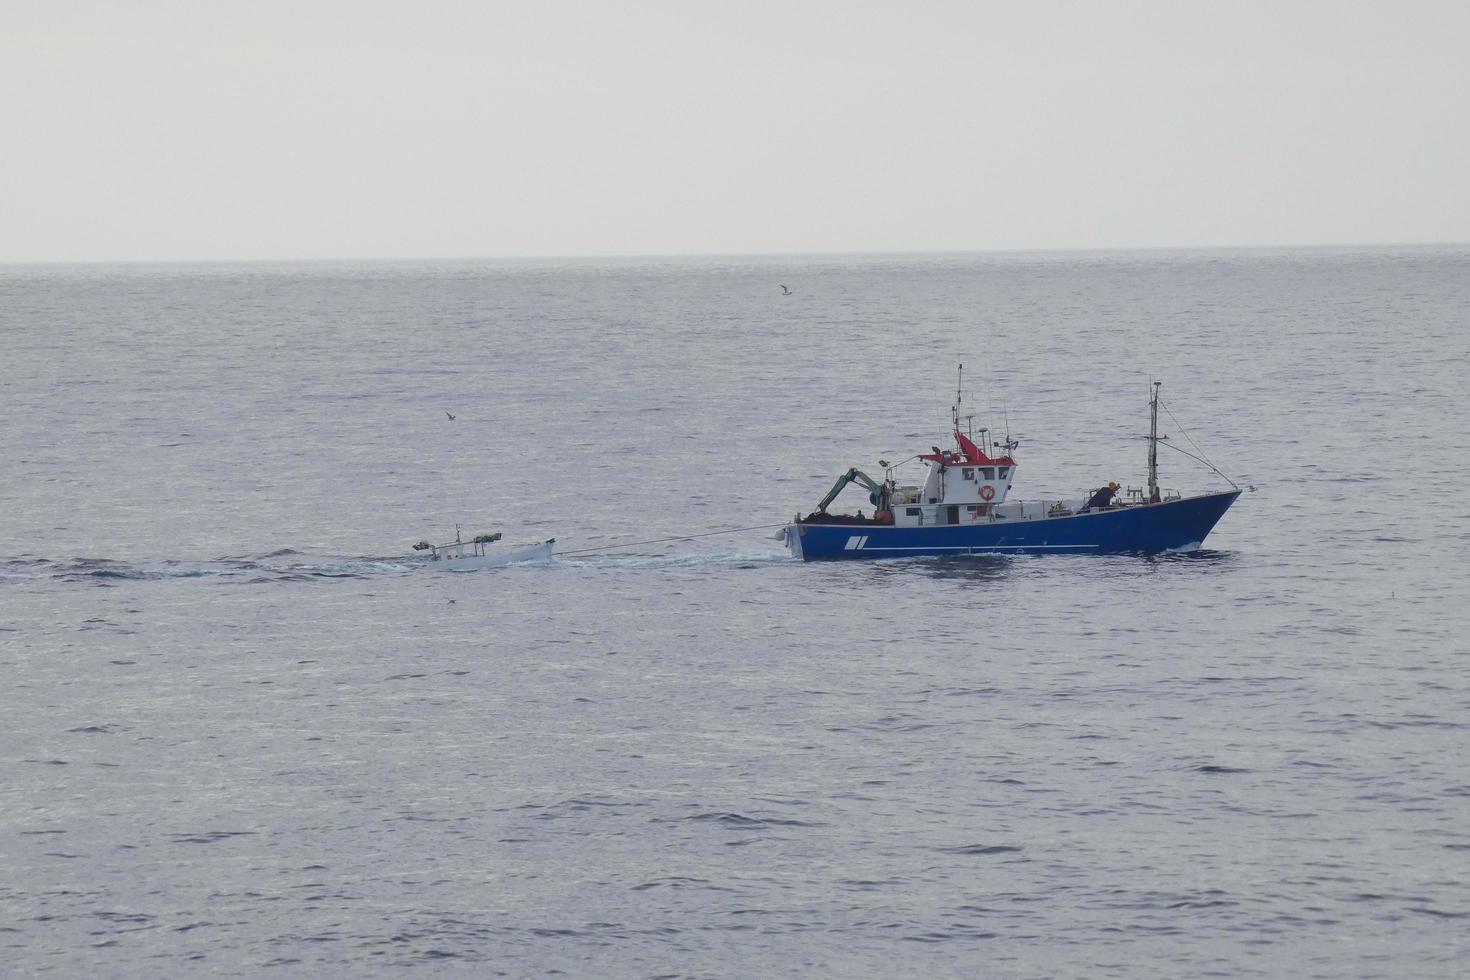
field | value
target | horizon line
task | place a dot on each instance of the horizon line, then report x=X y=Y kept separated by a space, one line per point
x=664 y=256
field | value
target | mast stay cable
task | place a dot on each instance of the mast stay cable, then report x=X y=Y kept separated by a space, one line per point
x=1197 y=449
x=1202 y=460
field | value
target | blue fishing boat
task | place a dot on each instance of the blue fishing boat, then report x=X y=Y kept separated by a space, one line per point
x=962 y=508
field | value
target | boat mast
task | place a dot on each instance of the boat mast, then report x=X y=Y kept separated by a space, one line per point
x=1153 y=444
x=954 y=411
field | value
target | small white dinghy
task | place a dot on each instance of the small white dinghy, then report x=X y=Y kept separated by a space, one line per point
x=466 y=556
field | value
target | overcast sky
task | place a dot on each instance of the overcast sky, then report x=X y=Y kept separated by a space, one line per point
x=152 y=130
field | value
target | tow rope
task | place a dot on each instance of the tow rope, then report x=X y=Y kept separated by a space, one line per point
x=681 y=537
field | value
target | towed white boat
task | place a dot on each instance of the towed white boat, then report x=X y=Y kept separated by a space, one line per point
x=467 y=556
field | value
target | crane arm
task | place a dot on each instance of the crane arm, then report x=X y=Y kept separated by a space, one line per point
x=879 y=491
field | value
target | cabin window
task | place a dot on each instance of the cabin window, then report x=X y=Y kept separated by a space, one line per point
x=987 y=473
x=1005 y=471
x=968 y=474
x=913 y=511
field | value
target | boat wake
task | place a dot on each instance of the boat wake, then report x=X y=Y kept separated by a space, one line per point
x=285 y=565
x=289 y=565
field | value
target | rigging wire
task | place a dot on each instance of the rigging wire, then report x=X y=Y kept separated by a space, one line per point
x=1202 y=460
x=1197 y=449
x=1186 y=436
x=681 y=537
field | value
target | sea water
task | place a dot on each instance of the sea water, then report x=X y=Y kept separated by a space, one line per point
x=245 y=732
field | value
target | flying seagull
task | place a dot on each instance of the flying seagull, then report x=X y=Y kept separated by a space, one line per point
x=451 y=417
x=784 y=290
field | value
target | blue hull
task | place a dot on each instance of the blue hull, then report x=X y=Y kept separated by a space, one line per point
x=1178 y=525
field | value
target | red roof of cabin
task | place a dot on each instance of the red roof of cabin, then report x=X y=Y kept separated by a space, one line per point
x=969 y=455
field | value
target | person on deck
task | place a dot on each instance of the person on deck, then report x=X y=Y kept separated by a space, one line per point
x=1102 y=498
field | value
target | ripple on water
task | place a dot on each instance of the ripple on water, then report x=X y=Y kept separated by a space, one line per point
x=982 y=849
x=711 y=759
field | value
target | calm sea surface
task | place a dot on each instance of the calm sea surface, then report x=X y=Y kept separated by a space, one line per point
x=242 y=733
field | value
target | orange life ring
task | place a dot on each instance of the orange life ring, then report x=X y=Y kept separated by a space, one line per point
x=987 y=492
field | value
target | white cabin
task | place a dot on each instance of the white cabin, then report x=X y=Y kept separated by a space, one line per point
x=963 y=487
